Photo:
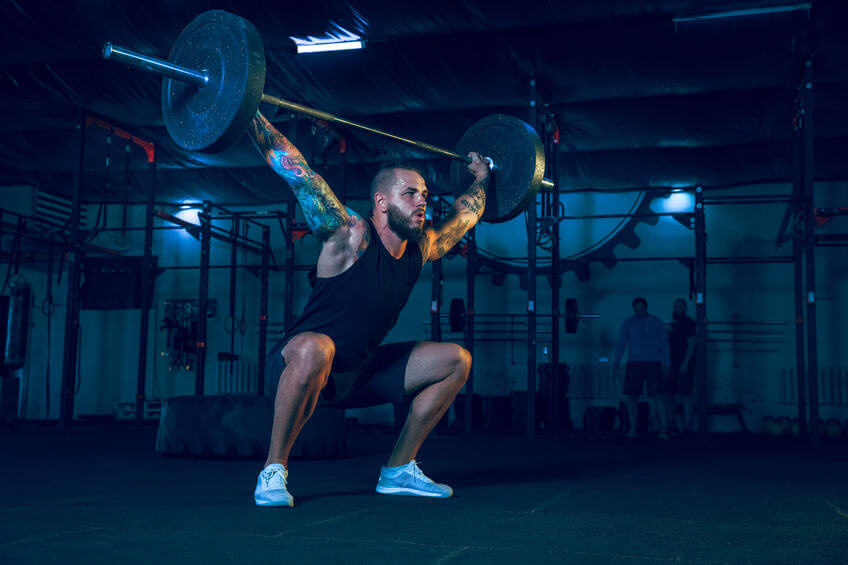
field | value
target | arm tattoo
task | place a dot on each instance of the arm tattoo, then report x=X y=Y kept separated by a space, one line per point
x=322 y=209
x=355 y=219
x=474 y=199
x=467 y=210
x=424 y=244
x=454 y=229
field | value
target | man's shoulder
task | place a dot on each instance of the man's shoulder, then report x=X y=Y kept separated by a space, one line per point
x=656 y=319
x=685 y=326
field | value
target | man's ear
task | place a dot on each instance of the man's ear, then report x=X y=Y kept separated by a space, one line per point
x=380 y=202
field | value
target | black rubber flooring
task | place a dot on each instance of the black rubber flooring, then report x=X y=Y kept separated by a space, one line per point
x=103 y=496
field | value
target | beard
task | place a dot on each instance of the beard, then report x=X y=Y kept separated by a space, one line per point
x=677 y=315
x=401 y=225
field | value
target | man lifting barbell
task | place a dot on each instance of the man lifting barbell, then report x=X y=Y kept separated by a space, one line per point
x=213 y=85
x=364 y=275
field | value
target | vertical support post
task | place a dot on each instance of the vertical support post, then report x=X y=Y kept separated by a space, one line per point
x=795 y=211
x=69 y=357
x=203 y=300
x=701 y=314
x=436 y=282
x=809 y=222
x=231 y=324
x=147 y=276
x=800 y=362
x=263 y=309
x=288 y=284
x=555 y=283
x=343 y=151
x=436 y=285
x=531 y=291
x=471 y=277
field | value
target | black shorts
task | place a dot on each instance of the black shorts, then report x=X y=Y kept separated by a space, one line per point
x=680 y=382
x=378 y=379
x=637 y=372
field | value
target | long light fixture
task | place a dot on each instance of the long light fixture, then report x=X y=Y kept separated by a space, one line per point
x=804 y=6
x=330 y=46
x=337 y=39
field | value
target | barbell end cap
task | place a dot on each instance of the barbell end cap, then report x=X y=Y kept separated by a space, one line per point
x=107 y=50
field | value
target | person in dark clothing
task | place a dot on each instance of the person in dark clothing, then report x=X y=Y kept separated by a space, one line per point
x=681 y=341
x=647 y=362
x=365 y=272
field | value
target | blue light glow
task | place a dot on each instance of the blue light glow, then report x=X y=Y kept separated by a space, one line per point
x=189 y=214
x=681 y=201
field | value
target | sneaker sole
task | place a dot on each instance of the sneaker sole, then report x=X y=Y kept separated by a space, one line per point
x=274 y=503
x=411 y=492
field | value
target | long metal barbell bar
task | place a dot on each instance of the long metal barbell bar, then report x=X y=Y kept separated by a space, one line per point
x=200 y=78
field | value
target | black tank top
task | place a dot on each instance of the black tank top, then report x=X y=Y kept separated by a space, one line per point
x=358 y=307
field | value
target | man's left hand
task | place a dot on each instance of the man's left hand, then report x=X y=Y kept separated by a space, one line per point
x=478 y=166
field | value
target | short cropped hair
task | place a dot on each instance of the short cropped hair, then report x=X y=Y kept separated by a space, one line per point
x=385 y=172
x=640 y=299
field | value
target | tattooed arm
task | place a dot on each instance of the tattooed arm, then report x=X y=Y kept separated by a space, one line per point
x=325 y=215
x=464 y=214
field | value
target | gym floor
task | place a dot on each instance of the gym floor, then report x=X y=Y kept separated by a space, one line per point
x=96 y=495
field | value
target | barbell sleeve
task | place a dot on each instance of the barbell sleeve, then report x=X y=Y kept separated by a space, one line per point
x=154 y=65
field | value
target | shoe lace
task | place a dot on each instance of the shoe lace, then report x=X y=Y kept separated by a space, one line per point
x=418 y=473
x=268 y=474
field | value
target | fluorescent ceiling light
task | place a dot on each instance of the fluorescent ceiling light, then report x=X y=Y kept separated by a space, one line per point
x=331 y=46
x=745 y=12
x=337 y=38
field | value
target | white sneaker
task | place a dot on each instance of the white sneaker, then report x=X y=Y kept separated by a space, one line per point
x=409 y=480
x=271 y=487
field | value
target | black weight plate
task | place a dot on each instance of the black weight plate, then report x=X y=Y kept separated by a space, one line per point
x=457 y=315
x=213 y=117
x=519 y=160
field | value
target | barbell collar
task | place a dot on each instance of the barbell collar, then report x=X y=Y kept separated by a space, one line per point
x=154 y=65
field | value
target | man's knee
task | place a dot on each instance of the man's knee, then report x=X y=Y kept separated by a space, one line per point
x=309 y=357
x=461 y=359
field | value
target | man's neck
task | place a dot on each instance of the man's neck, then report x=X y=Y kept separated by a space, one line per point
x=391 y=241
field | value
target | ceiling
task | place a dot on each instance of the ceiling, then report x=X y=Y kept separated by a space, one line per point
x=639 y=100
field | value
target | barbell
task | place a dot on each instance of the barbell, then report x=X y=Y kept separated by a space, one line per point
x=571 y=318
x=213 y=83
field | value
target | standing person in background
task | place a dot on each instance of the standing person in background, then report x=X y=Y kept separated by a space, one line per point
x=681 y=340
x=644 y=336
